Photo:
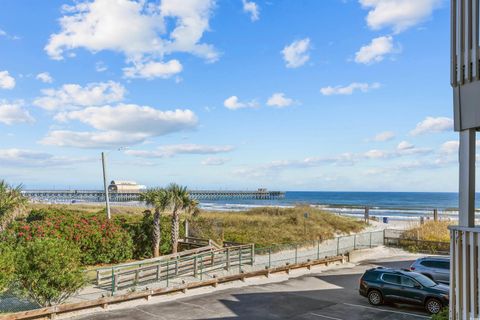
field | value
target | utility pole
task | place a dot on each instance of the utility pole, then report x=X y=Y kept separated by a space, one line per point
x=105 y=186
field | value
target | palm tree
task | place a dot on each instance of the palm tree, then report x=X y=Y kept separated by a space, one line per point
x=179 y=200
x=159 y=199
x=12 y=201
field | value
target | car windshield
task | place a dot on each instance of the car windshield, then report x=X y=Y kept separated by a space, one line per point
x=424 y=281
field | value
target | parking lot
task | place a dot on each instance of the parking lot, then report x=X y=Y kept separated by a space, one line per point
x=331 y=294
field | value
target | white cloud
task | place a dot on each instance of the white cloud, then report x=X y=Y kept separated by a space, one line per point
x=101 y=25
x=450 y=147
x=173 y=150
x=279 y=100
x=398 y=14
x=350 y=89
x=31 y=158
x=74 y=96
x=405 y=145
x=131 y=118
x=251 y=8
x=11 y=113
x=296 y=54
x=87 y=139
x=233 y=103
x=431 y=124
x=375 y=154
x=384 y=136
x=215 y=161
x=375 y=51
x=100 y=66
x=6 y=80
x=151 y=70
x=3 y=33
x=45 y=77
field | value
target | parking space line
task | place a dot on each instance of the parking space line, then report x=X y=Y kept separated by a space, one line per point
x=385 y=310
x=326 y=317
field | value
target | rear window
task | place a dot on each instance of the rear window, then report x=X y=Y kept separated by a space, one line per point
x=436 y=264
x=391 y=278
x=370 y=276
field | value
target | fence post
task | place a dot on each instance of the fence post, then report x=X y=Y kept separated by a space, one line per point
x=158 y=271
x=269 y=257
x=318 y=249
x=384 y=241
x=370 y=239
x=113 y=281
x=201 y=268
x=296 y=253
x=355 y=242
x=195 y=267
x=98 y=277
x=240 y=259
x=252 y=254
x=168 y=271
x=338 y=246
x=228 y=259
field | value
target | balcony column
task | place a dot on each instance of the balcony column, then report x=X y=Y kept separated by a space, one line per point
x=466 y=216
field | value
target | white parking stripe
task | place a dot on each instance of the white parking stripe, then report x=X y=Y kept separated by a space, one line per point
x=326 y=317
x=391 y=311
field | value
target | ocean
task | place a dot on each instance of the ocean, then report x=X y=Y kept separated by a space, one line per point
x=395 y=205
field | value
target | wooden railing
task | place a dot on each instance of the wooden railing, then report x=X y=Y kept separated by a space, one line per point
x=170 y=267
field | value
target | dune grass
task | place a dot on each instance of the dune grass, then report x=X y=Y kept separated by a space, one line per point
x=263 y=226
x=431 y=231
x=268 y=226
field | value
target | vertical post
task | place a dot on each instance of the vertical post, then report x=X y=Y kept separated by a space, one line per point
x=318 y=249
x=367 y=215
x=435 y=215
x=195 y=266
x=240 y=259
x=228 y=259
x=105 y=186
x=296 y=253
x=113 y=281
x=252 y=254
x=467 y=178
x=269 y=257
x=168 y=271
x=338 y=246
x=354 y=242
x=201 y=268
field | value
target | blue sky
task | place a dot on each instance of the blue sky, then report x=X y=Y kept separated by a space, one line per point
x=290 y=95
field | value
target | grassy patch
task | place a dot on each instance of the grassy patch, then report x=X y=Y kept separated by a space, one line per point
x=263 y=226
x=431 y=237
x=268 y=226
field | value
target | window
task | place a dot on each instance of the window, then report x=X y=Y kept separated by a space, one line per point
x=370 y=276
x=391 y=278
x=408 y=282
x=436 y=264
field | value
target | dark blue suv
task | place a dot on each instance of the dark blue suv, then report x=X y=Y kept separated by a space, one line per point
x=381 y=285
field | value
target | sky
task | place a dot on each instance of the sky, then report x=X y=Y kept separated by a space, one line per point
x=330 y=95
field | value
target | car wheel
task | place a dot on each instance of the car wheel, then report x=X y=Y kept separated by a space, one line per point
x=433 y=306
x=375 y=297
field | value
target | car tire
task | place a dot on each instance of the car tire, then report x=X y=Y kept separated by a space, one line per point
x=433 y=306
x=375 y=297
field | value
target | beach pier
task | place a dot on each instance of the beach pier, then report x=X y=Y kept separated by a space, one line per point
x=70 y=196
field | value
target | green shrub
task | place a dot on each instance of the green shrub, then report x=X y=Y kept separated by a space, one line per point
x=100 y=240
x=442 y=315
x=7 y=266
x=48 y=270
x=141 y=231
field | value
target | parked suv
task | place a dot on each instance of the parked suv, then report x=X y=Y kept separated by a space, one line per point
x=436 y=268
x=381 y=285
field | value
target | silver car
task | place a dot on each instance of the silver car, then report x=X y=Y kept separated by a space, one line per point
x=436 y=268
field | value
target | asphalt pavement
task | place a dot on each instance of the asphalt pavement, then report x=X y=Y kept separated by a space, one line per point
x=330 y=294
